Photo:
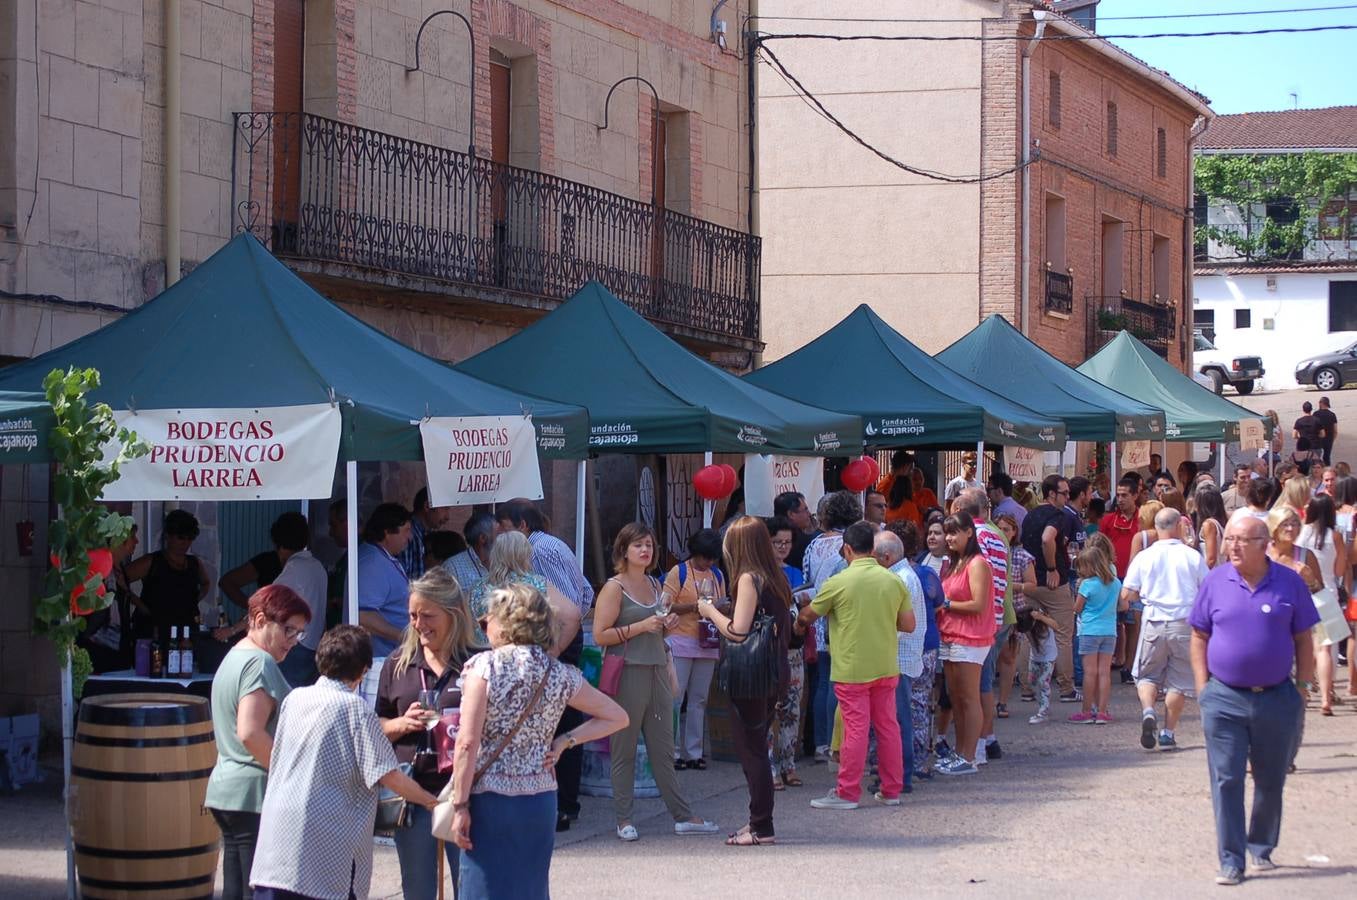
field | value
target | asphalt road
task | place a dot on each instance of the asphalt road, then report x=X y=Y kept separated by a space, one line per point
x=1070 y=811
x=1287 y=404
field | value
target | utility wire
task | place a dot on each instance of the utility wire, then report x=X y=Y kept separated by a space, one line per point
x=1052 y=37
x=1195 y=15
x=820 y=108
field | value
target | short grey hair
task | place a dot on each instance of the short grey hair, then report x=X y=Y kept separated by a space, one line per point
x=973 y=502
x=888 y=543
x=1167 y=519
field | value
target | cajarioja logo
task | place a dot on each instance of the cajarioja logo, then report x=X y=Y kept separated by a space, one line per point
x=752 y=435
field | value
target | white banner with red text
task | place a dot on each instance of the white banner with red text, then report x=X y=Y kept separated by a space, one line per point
x=1134 y=455
x=480 y=459
x=1026 y=463
x=767 y=476
x=269 y=453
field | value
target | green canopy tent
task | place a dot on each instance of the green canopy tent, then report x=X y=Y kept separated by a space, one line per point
x=242 y=331
x=998 y=356
x=26 y=419
x=904 y=396
x=647 y=394
x=1191 y=412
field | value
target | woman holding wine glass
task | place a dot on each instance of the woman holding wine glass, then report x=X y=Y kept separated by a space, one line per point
x=418 y=685
x=695 y=649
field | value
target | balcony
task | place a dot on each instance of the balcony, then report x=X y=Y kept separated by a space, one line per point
x=349 y=202
x=1154 y=323
x=1059 y=292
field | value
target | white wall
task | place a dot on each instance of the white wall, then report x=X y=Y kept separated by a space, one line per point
x=1298 y=308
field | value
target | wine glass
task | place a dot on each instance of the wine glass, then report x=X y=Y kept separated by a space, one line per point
x=428 y=701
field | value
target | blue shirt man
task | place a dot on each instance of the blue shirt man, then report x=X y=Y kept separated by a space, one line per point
x=383 y=587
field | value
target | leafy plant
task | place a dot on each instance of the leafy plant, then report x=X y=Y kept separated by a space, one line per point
x=1308 y=182
x=1111 y=321
x=78 y=442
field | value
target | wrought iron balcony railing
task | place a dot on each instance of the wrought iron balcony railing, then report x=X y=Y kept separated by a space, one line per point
x=315 y=188
x=1059 y=292
x=1153 y=322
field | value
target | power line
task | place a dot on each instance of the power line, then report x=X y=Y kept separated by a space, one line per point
x=824 y=112
x=1196 y=15
x=761 y=36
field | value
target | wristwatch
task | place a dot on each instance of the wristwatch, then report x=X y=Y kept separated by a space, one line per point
x=569 y=740
x=946 y=603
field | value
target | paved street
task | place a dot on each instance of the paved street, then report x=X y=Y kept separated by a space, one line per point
x=1287 y=404
x=1069 y=811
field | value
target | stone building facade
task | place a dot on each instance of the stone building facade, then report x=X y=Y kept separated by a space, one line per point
x=295 y=115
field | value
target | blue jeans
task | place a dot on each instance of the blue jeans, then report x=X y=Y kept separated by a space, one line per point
x=825 y=701
x=904 y=712
x=1243 y=727
x=418 y=853
x=992 y=661
x=512 y=839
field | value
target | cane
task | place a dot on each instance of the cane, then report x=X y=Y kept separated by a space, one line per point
x=442 y=858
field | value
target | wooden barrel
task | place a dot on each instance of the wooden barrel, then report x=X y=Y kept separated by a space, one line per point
x=139 y=774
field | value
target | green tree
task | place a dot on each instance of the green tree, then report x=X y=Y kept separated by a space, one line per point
x=88 y=448
x=1309 y=181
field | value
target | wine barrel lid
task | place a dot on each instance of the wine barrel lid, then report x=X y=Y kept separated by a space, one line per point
x=142 y=710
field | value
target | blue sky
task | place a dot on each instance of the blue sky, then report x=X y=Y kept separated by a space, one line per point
x=1245 y=73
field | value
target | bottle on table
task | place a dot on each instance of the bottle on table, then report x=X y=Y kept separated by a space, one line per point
x=173 y=669
x=157 y=660
x=185 y=654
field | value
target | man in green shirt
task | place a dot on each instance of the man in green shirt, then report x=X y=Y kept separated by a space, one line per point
x=866 y=605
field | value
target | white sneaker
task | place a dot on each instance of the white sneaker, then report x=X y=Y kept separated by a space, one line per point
x=628 y=833
x=886 y=801
x=1038 y=719
x=981 y=757
x=703 y=827
x=832 y=800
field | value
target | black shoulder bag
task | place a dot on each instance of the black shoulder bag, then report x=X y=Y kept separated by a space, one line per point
x=749 y=668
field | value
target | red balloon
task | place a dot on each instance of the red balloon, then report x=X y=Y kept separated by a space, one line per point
x=708 y=482
x=856 y=476
x=732 y=479
x=101 y=561
x=76 y=608
x=874 y=466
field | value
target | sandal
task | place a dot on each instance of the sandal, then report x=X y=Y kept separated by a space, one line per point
x=681 y=764
x=1001 y=710
x=778 y=785
x=1326 y=710
x=790 y=779
x=747 y=838
x=699 y=763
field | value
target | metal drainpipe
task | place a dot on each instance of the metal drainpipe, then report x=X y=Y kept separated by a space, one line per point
x=171 y=138
x=1189 y=244
x=1024 y=314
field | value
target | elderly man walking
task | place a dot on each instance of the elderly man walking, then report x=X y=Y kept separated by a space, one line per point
x=1250 y=624
x=889 y=551
x=1164 y=577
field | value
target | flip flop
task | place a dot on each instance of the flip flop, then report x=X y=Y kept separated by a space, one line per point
x=791 y=781
x=749 y=839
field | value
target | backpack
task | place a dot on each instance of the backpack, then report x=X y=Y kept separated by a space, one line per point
x=708 y=638
x=750 y=669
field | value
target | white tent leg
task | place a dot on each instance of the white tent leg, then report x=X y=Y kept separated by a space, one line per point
x=980 y=461
x=1112 y=467
x=67 y=746
x=581 y=475
x=351 y=501
x=707 y=506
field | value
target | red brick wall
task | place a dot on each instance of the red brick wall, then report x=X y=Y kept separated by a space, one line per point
x=1074 y=164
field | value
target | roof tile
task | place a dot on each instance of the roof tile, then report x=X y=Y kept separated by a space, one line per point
x=1332 y=127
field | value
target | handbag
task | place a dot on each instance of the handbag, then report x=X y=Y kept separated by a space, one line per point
x=751 y=668
x=610 y=678
x=392 y=811
x=443 y=812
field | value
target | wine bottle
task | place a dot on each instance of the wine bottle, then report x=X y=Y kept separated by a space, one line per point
x=157 y=660
x=174 y=657
x=185 y=654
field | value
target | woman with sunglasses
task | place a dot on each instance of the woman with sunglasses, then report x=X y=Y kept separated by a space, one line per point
x=246 y=692
x=418 y=682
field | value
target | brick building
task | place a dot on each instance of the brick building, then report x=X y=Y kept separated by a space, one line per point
x=138 y=135
x=1092 y=236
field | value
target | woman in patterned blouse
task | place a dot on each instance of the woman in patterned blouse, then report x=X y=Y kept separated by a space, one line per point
x=504 y=815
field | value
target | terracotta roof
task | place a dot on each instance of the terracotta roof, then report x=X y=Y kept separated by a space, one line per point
x=1288 y=129
x=1301 y=267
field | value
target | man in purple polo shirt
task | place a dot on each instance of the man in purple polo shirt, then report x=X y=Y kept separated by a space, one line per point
x=1250 y=624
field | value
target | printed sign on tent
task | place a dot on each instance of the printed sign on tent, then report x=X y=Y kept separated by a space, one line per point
x=1134 y=455
x=1252 y=434
x=270 y=453
x=1025 y=463
x=767 y=476
x=480 y=459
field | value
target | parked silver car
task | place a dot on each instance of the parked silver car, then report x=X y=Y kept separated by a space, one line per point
x=1329 y=371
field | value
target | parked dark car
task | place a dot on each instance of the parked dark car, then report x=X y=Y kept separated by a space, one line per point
x=1329 y=371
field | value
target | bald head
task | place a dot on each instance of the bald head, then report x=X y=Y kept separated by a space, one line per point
x=1246 y=540
x=887 y=548
x=973 y=502
x=1166 y=522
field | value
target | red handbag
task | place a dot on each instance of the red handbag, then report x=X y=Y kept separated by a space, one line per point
x=445 y=739
x=610 y=678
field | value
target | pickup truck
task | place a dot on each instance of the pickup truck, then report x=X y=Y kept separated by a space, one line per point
x=1240 y=372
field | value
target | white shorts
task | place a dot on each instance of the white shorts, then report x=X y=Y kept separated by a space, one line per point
x=962 y=653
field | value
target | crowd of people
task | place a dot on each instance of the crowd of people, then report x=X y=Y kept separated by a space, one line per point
x=883 y=635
